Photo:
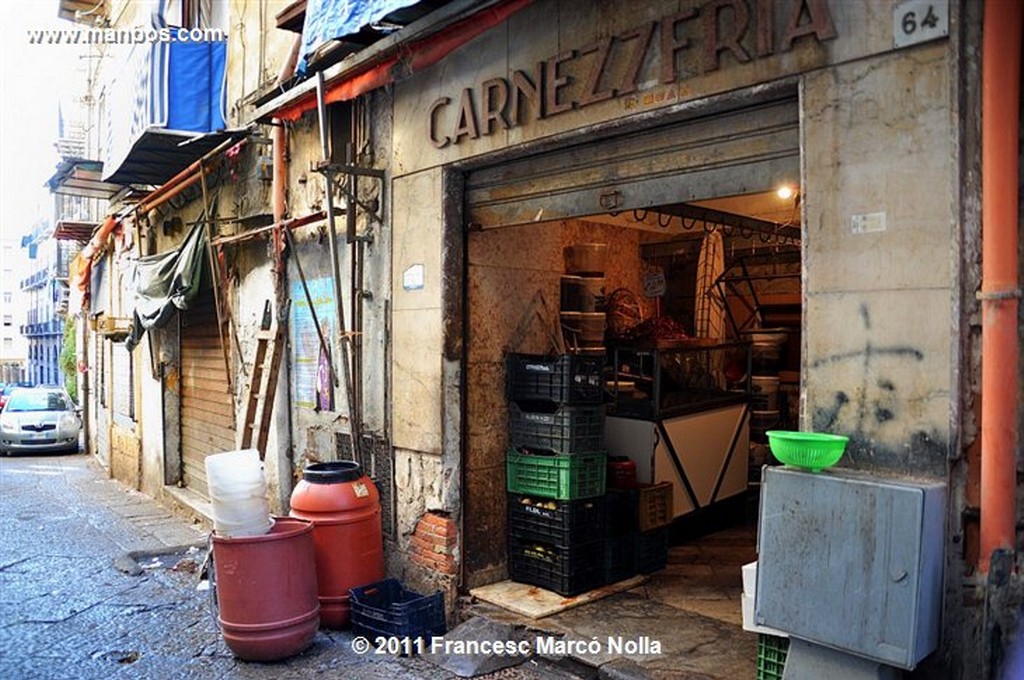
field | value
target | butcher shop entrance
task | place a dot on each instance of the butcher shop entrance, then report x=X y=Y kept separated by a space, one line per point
x=632 y=330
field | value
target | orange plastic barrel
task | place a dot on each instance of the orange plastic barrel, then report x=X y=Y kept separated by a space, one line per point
x=344 y=507
x=266 y=591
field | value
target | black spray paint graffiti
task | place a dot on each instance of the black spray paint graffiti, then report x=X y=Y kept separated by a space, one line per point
x=870 y=413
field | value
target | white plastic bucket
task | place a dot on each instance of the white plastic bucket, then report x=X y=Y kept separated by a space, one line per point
x=238 y=493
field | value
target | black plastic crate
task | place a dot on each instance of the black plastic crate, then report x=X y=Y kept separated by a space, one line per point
x=652 y=550
x=563 y=379
x=387 y=608
x=621 y=508
x=557 y=521
x=619 y=558
x=559 y=428
x=566 y=570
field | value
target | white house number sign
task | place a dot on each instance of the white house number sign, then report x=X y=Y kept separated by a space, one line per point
x=918 y=21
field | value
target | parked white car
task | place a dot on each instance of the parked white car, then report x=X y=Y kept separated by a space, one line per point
x=39 y=419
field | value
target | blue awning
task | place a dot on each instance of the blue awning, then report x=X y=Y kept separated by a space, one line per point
x=162 y=95
x=328 y=20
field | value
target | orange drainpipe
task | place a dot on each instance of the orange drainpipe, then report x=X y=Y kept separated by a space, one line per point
x=1000 y=116
x=182 y=180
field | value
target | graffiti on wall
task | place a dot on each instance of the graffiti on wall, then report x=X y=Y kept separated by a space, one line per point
x=874 y=403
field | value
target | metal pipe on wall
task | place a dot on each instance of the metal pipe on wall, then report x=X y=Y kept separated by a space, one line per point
x=182 y=180
x=279 y=141
x=1000 y=291
x=356 y=262
x=332 y=239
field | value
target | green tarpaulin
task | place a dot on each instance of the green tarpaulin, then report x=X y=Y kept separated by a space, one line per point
x=165 y=283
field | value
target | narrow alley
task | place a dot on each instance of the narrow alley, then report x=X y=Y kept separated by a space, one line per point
x=97 y=581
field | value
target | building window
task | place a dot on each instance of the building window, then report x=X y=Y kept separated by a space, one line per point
x=193 y=14
x=8 y=298
x=8 y=320
x=8 y=346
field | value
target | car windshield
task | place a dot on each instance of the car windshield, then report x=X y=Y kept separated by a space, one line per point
x=31 y=400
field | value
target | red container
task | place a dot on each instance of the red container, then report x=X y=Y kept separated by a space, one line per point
x=266 y=591
x=621 y=473
x=344 y=507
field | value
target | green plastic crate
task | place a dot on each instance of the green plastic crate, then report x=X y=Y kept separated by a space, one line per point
x=563 y=477
x=771 y=656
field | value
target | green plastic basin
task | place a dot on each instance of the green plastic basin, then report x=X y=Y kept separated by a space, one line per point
x=812 y=451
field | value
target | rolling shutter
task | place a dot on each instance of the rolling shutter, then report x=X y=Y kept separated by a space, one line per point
x=207 y=406
x=728 y=153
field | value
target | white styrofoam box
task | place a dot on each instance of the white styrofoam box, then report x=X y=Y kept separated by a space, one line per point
x=747 y=604
x=749 y=578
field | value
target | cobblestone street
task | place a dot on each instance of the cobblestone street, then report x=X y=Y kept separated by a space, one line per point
x=69 y=608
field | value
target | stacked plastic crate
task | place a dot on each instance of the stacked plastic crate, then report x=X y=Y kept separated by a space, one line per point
x=620 y=534
x=654 y=517
x=556 y=472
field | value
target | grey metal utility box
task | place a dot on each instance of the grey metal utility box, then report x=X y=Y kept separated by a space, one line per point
x=852 y=561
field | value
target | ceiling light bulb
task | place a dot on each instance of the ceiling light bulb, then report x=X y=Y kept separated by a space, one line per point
x=785 y=192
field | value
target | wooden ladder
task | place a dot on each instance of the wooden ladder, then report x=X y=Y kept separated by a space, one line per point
x=262 y=386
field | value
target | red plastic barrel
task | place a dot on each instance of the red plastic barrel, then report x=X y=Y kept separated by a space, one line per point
x=344 y=507
x=266 y=591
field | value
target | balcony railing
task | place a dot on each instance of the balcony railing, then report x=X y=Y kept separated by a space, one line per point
x=33 y=330
x=36 y=280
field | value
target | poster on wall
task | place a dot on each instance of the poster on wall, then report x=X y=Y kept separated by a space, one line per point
x=311 y=363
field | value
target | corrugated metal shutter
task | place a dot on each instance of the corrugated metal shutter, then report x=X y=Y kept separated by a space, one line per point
x=724 y=154
x=207 y=407
x=101 y=414
x=122 y=391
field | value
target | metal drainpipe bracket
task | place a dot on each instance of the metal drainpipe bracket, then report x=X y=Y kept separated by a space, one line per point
x=1007 y=294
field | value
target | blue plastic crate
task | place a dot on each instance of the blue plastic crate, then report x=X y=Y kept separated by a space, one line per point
x=387 y=608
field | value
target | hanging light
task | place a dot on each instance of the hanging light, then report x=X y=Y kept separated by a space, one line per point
x=785 y=192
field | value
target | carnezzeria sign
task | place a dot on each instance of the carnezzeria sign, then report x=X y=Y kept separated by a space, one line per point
x=686 y=44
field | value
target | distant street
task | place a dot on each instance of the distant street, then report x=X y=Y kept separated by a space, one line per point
x=68 y=609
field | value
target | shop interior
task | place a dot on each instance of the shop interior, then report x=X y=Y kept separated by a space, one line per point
x=693 y=313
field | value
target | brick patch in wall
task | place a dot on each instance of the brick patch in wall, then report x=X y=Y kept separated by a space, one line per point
x=434 y=543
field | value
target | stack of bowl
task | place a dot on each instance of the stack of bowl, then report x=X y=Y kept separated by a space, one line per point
x=582 y=298
x=766 y=351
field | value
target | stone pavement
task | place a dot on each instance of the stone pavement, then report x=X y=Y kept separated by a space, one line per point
x=99 y=581
x=68 y=609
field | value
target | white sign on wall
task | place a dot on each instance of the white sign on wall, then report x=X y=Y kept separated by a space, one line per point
x=918 y=21
x=866 y=223
x=412 y=277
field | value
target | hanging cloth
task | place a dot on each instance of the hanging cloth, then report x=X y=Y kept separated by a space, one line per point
x=165 y=283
